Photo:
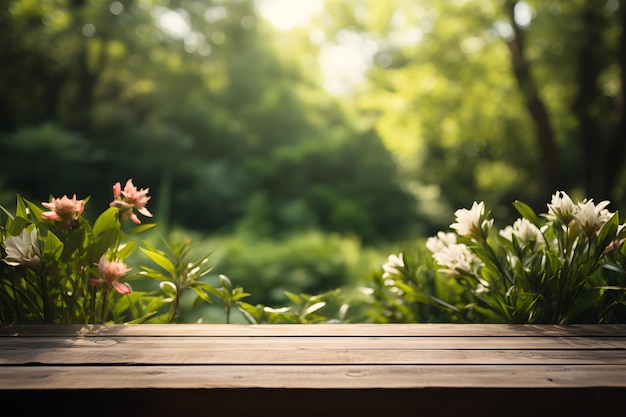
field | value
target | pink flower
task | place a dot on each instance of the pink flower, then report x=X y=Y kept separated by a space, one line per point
x=615 y=244
x=111 y=272
x=130 y=198
x=64 y=209
x=117 y=190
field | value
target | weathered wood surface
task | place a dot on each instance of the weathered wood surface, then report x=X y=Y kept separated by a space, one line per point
x=446 y=369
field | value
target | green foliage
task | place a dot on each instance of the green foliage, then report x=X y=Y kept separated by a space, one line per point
x=58 y=268
x=227 y=118
x=228 y=295
x=410 y=291
x=309 y=262
x=328 y=307
x=565 y=266
x=176 y=273
x=51 y=266
x=234 y=109
x=34 y=152
x=141 y=105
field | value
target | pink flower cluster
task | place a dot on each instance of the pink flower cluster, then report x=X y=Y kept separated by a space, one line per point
x=64 y=209
x=130 y=198
x=111 y=272
x=126 y=201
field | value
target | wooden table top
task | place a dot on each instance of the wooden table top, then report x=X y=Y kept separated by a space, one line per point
x=342 y=359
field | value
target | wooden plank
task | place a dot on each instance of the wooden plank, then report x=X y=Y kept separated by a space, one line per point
x=157 y=350
x=293 y=330
x=235 y=355
x=311 y=377
x=294 y=343
x=314 y=370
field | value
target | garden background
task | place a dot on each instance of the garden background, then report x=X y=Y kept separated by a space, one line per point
x=300 y=142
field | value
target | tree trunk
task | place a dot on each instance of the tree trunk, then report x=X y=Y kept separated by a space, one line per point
x=615 y=153
x=595 y=137
x=550 y=158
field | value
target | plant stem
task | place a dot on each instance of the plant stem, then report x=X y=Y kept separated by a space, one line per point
x=92 y=310
x=175 y=307
x=17 y=305
x=105 y=303
x=45 y=298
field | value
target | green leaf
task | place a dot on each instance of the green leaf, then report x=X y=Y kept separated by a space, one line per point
x=253 y=314
x=294 y=298
x=105 y=221
x=581 y=308
x=17 y=225
x=217 y=292
x=202 y=265
x=100 y=246
x=239 y=294
x=154 y=274
x=34 y=209
x=52 y=245
x=611 y=288
x=313 y=308
x=126 y=249
x=168 y=288
x=226 y=282
x=607 y=233
x=202 y=294
x=443 y=303
x=9 y=215
x=143 y=318
x=149 y=246
x=74 y=243
x=527 y=212
x=614 y=268
x=160 y=260
x=20 y=208
x=142 y=228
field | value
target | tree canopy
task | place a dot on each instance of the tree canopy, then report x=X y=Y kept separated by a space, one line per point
x=370 y=118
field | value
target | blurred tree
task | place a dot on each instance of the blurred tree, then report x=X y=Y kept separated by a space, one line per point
x=222 y=115
x=491 y=100
x=191 y=100
x=593 y=39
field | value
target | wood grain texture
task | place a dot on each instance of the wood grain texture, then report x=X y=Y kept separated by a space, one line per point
x=362 y=329
x=312 y=376
x=312 y=350
x=488 y=365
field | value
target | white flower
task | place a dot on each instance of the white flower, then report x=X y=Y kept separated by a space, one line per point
x=23 y=249
x=442 y=240
x=507 y=233
x=393 y=263
x=524 y=231
x=590 y=217
x=471 y=223
x=561 y=208
x=457 y=258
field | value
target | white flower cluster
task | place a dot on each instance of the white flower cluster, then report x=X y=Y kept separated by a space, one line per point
x=524 y=231
x=456 y=257
x=586 y=215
